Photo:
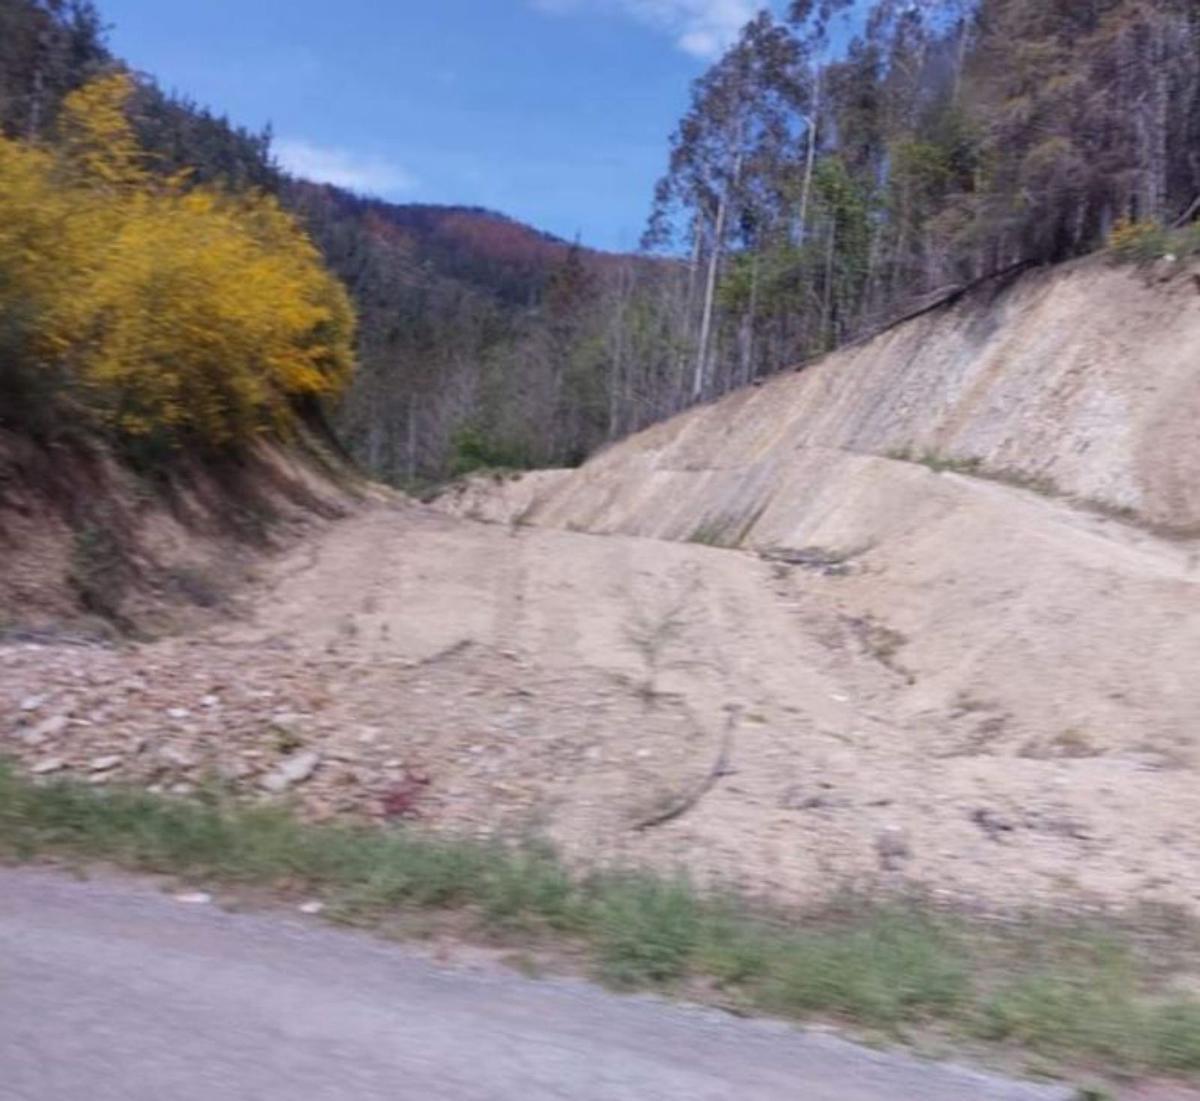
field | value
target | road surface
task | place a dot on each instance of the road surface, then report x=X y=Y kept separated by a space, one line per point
x=113 y=991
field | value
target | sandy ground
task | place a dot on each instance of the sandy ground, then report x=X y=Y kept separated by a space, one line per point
x=850 y=724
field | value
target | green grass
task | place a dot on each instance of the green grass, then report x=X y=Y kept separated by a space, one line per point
x=1073 y=995
x=711 y=533
x=1144 y=243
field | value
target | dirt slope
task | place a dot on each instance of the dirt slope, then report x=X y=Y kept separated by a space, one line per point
x=579 y=686
x=999 y=501
x=941 y=679
x=1082 y=381
x=88 y=546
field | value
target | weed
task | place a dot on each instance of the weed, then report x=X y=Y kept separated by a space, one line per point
x=832 y=563
x=882 y=642
x=1138 y=242
x=287 y=739
x=897 y=968
x=475 y=451
x=974 y=467
x=729 y=531
x=1074 y=742
x=711 y=533
x=655 y=628
x=945 y=463
x=100 y=570
x=196 y=585
x=1071 y=743
x=645 y=929
x=966 y=703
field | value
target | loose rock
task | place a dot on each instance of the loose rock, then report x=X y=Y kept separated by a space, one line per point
x=294 y=770
x=50 y=728
x=194 y=898
x=105 y=764
x=50 y=764
x=893 y=847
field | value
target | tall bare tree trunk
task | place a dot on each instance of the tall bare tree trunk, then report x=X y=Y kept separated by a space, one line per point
x=827 y=308
x=617 y=374
x=710 y=288
x=750 y=369
x=710 y=293
x=689 y=309
x=35 y=103
x=810 y=157
x=411 y=441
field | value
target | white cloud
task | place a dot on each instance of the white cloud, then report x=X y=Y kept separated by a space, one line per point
x=365 y=173
x=702 y=28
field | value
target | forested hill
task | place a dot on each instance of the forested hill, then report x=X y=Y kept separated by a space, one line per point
x=466 y=317
x=481 y=247
x=481 y=339
x=813 y=193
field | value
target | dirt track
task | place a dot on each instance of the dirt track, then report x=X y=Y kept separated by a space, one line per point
x=582 y=686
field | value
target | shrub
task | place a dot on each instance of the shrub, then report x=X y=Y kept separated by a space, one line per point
x=1138 y=242
x=474 y=450
x=171 y=311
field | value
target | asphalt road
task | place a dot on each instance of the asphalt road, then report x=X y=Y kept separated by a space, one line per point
x=113 y=991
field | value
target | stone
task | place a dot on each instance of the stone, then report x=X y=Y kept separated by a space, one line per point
x=993 y=824
x=235 y=770
x=51 y=727
x=32 y=703
x=194 y=898
x=50 y=764
x=176 y=757
x=892 y=846
x=311 y=907
x=291 y=771
x=105 y=764
x=178 y=713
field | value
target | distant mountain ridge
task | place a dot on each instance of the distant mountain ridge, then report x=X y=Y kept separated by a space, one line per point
x=483 y=247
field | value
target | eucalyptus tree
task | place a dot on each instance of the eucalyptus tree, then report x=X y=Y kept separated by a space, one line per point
x=740 y=126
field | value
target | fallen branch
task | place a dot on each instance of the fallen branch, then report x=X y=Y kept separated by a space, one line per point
x=689 y=799
x=451 y=651
x=1188 y=215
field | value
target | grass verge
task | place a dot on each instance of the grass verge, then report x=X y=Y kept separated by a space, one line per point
x=1076 y=995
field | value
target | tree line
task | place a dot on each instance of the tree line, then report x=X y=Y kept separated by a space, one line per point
x=820 y=195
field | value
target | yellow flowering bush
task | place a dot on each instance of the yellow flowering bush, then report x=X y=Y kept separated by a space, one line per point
x=176 y=311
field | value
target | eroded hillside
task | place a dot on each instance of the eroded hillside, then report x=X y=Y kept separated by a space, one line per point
x=973 y=674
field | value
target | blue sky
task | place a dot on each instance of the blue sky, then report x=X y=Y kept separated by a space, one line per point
x=556 y=112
